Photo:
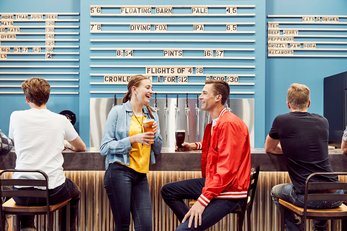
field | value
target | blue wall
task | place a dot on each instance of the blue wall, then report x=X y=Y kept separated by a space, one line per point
x=57 y=103
x=281 y=72
x=273 y=75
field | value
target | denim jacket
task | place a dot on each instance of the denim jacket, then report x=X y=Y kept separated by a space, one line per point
x=115 y=144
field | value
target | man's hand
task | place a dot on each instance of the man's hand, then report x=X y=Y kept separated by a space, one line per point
x=195 y=213
x=189 y=146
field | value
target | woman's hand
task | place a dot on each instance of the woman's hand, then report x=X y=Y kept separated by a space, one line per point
x=155 y=127
x=143 y=138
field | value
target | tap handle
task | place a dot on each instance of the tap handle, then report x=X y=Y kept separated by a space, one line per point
x=166 y=101
x=197 y=101
x=115 y=99
x=187 y=104
x=155 y=100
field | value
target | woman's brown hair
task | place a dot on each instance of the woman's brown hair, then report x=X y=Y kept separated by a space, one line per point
x=135 y=81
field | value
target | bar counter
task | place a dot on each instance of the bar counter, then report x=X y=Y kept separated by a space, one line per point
x=169 y=160
x=86 y=169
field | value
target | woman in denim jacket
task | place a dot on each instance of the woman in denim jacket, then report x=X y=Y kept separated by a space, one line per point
x=129 y=151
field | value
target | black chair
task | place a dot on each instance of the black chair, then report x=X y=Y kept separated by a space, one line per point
x=250 y=198
x=8 y=190
x=319 y=191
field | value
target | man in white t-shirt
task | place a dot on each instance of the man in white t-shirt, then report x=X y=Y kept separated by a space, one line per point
x=39 y=136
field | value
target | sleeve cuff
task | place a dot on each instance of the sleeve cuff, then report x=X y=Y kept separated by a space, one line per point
x=203 y=200
x=126 y=144
x=198 y=145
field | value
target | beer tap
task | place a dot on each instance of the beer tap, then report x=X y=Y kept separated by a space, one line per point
x=197 y=112
x=186 y=109
x=177 y=113
x=166 y=112
x=155 y=102
x=227 y=105
x=176 y=108
x=115 y=100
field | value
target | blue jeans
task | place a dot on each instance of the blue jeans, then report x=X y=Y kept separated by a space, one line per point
x=56 y=195
x=128 y=191
x=174 y=194
x=287 y=193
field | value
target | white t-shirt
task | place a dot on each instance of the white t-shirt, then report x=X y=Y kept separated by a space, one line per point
x=38 y=136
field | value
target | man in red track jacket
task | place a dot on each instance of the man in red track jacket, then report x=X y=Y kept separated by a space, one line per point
x=225 y=165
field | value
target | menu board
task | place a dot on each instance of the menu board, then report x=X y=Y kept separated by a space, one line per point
x=39 y=44
x=318 y=36
x=177 y=45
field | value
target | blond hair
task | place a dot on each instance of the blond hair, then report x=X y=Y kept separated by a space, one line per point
x=298 y=96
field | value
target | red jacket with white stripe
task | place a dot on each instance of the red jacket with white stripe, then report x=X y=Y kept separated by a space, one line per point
x=226 y=159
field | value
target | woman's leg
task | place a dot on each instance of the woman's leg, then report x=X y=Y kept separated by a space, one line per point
x=118 y=185
x=141 y=206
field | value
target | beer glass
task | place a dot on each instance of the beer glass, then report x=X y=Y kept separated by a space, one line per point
x=180 y=135
x=148 y=126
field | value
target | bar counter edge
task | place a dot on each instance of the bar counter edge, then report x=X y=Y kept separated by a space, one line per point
x=91 y=160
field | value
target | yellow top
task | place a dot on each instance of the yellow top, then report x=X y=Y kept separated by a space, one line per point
x=139 y=153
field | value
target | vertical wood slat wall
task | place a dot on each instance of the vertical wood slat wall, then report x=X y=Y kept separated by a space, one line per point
x=95 y=212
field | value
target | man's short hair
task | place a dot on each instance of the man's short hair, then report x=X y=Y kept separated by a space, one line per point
x=298 y=96
x=220 y=88
x=36 y=90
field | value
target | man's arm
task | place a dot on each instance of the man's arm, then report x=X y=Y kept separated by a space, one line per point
x=272 y=146
x=192 y=146
x=76 y=145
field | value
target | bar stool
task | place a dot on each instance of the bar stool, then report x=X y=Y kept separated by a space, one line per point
x=319 y=191
x=8 y=190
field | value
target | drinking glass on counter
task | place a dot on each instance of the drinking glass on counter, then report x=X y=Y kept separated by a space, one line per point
x=180 y=136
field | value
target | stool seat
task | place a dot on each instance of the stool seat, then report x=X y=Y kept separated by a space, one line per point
x=340 y=211
x=10 y=206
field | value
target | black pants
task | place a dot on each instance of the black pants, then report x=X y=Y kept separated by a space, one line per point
x=175 y=193
x=128 y=192
x=56 y=195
